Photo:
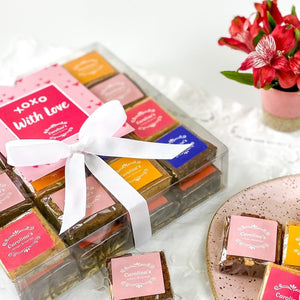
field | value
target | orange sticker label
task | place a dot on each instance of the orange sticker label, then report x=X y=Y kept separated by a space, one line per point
x=89 y=67
x=293 y=246
x=137 y=172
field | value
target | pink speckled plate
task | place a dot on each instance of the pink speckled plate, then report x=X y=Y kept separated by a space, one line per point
x=277 y=199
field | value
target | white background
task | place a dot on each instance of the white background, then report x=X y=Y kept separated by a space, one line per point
x=175 y=39
x=171 y=37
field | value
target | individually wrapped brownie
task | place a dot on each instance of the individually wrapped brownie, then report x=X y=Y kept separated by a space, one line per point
x=149 y=120
x=59 y=276
x=14 y=198
x=119 y=87
x=90 y=68
x=198 y=187
x=101 y=209
x=163 y=210
x=110 y=240
x=280 y=282
x=139 y=277
x=148 y=177
x=26 y=242
x=249 y=243
x=291 y=245
x=200 y=153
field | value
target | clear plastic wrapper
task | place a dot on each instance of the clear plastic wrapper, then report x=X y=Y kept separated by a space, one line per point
x=143 y=276
x=91 y=243
x=249 y=243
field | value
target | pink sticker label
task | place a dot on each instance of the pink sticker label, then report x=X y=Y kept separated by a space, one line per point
x=252 y=237
x=137 y=276
x=22 y=241
x=44 y=114
x=148 y=118
x=9 y=194
x=282 y=285
x=118 y=87
x=97 y=198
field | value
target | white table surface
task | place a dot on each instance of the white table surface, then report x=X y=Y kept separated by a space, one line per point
x=176 y=43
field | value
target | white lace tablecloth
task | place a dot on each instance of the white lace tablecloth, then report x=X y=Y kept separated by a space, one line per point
x=256 y=153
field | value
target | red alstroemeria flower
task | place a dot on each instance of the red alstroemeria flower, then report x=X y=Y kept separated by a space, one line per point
x=272 y=8
x=292 y=20
x=268 y=60
x=242 y=34
x=294 y=63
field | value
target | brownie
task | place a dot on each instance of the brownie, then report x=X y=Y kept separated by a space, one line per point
x=113 y=239
x=118 y=87
x=101 y=209
x=146 y=176
x=166 y=295
x=291 y=245
x=90 y=68
x=198 y=187
x=163 y=209
x=14 y=198
x=59 y=277
x=149 y=120
x=249 y=243
x=200 y=153
x=26 y=242
x=280 y=282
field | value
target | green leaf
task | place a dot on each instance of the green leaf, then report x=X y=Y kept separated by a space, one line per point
x=245 y=78
x=258 y=37
x=271 y=21
x=295 y=48
x=294 y=11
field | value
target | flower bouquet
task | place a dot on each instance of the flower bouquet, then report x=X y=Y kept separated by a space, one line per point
x=271 y=41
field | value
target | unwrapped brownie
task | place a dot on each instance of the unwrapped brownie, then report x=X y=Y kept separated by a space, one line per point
x=145 y=277
x=249 y=243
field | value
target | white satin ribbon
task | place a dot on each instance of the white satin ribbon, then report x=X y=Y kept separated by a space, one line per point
x=96 y=137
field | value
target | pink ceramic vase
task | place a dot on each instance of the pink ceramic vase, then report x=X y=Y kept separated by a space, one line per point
x=281 y=109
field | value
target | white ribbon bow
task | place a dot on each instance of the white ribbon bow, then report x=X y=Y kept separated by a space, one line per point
x=96 y=137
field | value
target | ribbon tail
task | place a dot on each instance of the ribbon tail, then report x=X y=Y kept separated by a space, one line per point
x=125 y=193
x=117 y=147
x=75 y=191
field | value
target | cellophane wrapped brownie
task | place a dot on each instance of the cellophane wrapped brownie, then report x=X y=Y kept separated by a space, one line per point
x=53 y=103
x=139 y=277
x=250 y=242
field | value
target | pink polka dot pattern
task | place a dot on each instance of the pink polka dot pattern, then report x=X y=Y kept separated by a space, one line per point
x=276 y=199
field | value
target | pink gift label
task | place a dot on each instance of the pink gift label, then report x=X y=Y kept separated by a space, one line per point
x=22 y=241
x=97 y=198
x=252 y=237
x=137 y=276
x=44 y=114
x=118 y=87
x=148 y=118
x=73 y=92
x=282 y=284
x=9 y=194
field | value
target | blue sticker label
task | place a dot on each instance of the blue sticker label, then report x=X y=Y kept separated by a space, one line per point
x=181 y=135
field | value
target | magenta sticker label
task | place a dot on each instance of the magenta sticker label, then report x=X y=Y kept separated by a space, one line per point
x=97 y=198
x=148 y=118
x=252 y=237
x=282 y=284
x=22 y=241
x=137 y=276
x=44 y=114
x=9 y=194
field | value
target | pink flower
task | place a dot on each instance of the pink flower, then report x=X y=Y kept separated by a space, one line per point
x=268 y=60
x=242 y=33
